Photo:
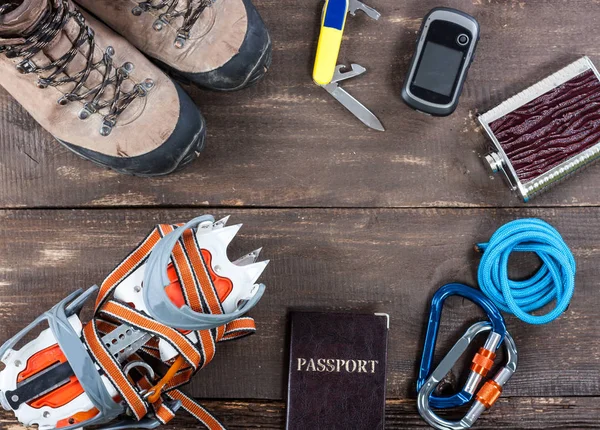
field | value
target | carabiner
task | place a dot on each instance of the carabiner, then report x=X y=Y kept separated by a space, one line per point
x=483 y=360
x=486 y=396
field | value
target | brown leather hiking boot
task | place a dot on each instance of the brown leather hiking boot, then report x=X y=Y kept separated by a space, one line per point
x=216 y=44
x=95 y=92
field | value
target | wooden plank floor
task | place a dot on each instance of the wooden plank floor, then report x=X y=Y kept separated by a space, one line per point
x=351 y=219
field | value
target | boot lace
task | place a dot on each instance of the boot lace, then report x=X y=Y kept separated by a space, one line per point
x=190 y=15
x=9 y=6
x=49 y=26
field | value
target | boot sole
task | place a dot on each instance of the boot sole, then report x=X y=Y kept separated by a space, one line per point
x=191 y=153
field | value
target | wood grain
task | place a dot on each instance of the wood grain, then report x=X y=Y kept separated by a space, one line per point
x=543 y=413
x=286 y=143
x=351 y=219
x=360 y=260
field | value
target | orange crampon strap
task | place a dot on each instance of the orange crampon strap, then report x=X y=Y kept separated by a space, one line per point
x=200 y=295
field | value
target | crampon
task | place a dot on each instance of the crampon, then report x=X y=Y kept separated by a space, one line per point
x=157 y=319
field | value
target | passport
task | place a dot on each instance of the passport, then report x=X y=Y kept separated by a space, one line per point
x=337 y=371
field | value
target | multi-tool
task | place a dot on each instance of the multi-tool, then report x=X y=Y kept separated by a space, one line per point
x=327 y=73
x=64 y=379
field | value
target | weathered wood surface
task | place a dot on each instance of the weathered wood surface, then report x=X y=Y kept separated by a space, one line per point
x=363 y=260
x=286 y=143
x=411 y=203
x=545 y=413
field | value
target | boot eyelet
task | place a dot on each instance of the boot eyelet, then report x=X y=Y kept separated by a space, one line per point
x=179 y=43
x=26 y=66
x=107 y=126
x=148 y=83
x=86 y=111
x=42 y=83
x=105 y=130
x=158 y=25
x=107 y=97
x=143 y=88
x=141 y=8
x=182 y=36
x=126 y=69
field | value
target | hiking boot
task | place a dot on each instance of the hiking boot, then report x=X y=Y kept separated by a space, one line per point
x=216 y=44
x=95 y=92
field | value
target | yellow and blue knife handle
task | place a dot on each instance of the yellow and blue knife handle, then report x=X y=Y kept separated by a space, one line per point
x=330 y=40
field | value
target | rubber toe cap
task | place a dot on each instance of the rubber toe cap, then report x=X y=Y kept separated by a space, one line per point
x=184 y=144
x=246 y=67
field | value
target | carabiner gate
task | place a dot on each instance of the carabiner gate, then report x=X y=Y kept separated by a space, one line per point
x=483 y=360
x=486 y=396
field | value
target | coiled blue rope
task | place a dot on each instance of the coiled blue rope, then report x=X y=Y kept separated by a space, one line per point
x=555 y=280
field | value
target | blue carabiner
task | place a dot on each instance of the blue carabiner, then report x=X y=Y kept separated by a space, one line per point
x=437 y=303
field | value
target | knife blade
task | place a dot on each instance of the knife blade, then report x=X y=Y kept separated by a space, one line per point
x=357 y=108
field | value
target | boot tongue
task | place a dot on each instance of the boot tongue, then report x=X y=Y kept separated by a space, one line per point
x=23 y=19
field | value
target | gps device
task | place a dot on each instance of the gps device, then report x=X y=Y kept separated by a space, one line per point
x=445 y=51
